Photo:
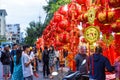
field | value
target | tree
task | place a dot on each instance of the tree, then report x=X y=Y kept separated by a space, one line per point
x=33 y=32
x=53 y=6
x=36 y=28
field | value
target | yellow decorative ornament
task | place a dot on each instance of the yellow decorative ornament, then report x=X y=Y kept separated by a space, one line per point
x=108 y=40
x=92 y=34
x=91 y=15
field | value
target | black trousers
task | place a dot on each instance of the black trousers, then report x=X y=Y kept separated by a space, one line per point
x=46 y=70
x=28 y=78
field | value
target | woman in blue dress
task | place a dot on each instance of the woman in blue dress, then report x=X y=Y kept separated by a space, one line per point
x=17 y=73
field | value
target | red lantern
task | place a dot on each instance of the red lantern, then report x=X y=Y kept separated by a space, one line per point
x=106 y=17
x=117 y=44
x=57 y=17
x=63 y=24
x=58 y=43
x=114 y=3
x=106 y=29
x=58 y=30
x=83 y=40
x=74 y=10
x=69 y=29
x=63 y=10
x=117 y=13
x=64 y=37
x=116 y=27
x=81 y=1
x=83 y=8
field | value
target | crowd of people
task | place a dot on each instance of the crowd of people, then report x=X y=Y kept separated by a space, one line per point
x=96 y=64
x=21 y=63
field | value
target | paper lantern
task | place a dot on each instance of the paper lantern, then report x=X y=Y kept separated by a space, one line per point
x=106 y=29
x=68 y=29
x=114 y=3
x=83 y=8
x=83 y=40
x=117 y=13
x=64 y=37
x=116 y=27
x=58 y=29
x=74 y=10
x=57 y=17
x=81 y=1
x=63 y=24
x=117 y=43
x=63 y=10
x=106 y=17
x=58 y=44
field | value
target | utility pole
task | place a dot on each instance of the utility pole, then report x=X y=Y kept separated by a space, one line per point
x=39 y=19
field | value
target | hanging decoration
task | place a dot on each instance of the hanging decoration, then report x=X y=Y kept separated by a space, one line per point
x=97 y=17
x=92 y=34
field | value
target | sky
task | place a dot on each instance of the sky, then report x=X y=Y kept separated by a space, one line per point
x=23 y=11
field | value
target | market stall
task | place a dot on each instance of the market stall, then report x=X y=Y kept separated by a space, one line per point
x=100 y=21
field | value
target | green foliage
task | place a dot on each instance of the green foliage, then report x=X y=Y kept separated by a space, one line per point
x=33 y=32
x=36 y=28
x=52 y=7
x=55 y=6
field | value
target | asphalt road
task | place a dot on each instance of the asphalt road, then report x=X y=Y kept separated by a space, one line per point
x=39 y=72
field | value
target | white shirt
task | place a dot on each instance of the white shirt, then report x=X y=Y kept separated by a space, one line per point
x=32 y=55
x=27 y=71
x=57 y=53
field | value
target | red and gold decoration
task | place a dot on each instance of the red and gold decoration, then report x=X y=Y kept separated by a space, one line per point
x=96 y=16
x=92 y=34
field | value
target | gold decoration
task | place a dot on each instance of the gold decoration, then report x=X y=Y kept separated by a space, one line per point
x=91 y=15
x=92 y=34
x=108 y=40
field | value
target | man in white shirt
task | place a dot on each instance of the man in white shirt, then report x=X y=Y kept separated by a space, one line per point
x=26 y=64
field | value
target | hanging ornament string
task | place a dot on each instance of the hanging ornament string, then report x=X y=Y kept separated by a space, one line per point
x=106 y=8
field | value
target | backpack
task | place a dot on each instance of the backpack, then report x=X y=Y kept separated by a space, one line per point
x=5 y=58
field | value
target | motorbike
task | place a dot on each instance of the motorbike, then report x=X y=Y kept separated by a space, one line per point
x=76 y=75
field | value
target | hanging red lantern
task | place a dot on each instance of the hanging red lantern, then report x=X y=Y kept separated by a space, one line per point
x=117 y=43
x=64 y=37
x=117 y=12
x=74 y=10
x=106 y=29
x=69 y=29
x=63 y=10
x=106 y=17
x=57 y=17
x=116 y=27
x=83 y=40
x=83 y=8
x=114 y=3
x=81 y=1
x=58 y=30
x=63 y=24
x=58 y=44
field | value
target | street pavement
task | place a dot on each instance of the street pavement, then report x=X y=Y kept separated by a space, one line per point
x=59 y=77
x=1 y=71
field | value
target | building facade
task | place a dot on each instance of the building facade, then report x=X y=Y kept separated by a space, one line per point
x=13 y=32
x=3 y=14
